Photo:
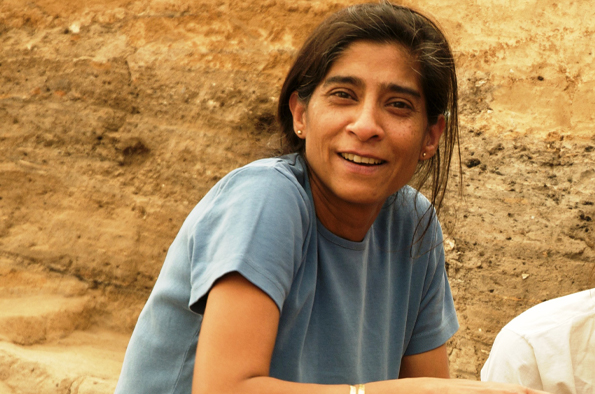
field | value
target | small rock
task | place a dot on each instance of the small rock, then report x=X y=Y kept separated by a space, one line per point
x=474 y=162
x=584 y=217
x=75 y=28
x=449 y=244
x=496 y=148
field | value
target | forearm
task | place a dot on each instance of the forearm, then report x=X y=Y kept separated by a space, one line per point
x=268 y=385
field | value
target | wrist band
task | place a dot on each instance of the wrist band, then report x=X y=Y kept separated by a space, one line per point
x=360 y=389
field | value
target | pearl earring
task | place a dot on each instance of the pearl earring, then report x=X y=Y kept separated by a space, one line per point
x=299 y=132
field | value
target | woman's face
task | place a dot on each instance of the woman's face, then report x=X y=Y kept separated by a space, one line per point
x=365 y=126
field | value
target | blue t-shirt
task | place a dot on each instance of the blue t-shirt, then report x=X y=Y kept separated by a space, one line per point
x=349 y=310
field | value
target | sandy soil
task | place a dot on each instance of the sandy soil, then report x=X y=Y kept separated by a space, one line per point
x=117 y=116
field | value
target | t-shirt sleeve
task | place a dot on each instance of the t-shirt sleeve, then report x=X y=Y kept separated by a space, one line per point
x=436 y=317
x=512 y=360
x=254 y=223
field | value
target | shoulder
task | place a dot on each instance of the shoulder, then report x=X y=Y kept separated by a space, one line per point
x=266 y=179
x=409 y=216
x=285 y=171
x=554 y=314
x=265 y=190
x=411 y=202
x=409 y=206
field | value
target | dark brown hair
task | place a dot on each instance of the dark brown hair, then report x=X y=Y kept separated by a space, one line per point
x=382 y=23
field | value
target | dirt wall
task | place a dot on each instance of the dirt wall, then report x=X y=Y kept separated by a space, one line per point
x=117 y=116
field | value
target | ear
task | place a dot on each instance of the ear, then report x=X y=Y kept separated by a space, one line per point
x=432 y=138
x=298 y=111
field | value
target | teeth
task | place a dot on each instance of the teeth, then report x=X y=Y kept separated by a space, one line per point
x=360 y=159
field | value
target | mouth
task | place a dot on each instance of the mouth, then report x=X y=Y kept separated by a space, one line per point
x=369 y=161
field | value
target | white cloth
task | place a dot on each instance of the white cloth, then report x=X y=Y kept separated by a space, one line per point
x=550 y=347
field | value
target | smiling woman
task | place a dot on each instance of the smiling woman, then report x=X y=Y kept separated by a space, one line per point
x=321 y=271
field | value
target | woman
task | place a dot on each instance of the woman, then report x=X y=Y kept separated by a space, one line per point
x=321 y=271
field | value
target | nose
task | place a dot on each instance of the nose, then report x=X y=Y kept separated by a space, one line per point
x=366 y=125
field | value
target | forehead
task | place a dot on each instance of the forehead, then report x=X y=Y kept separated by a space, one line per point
x=374 y=62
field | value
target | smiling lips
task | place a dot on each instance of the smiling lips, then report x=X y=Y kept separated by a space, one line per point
x=360 y=159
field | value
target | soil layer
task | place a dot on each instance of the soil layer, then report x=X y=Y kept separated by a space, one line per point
x=117 y=116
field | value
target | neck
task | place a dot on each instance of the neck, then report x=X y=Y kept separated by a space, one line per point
x=347 y=220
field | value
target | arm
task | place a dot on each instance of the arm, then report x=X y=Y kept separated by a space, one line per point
x=237 y=340
x=433 y=363
x=236 y=343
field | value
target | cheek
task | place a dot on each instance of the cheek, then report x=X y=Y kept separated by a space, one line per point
x=317 y=128
x=410 y=140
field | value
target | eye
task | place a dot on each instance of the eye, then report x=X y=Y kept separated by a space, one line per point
x=341 y=94
x=400 y=104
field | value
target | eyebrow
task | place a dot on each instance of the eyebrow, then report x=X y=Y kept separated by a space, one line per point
x=393 y=87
